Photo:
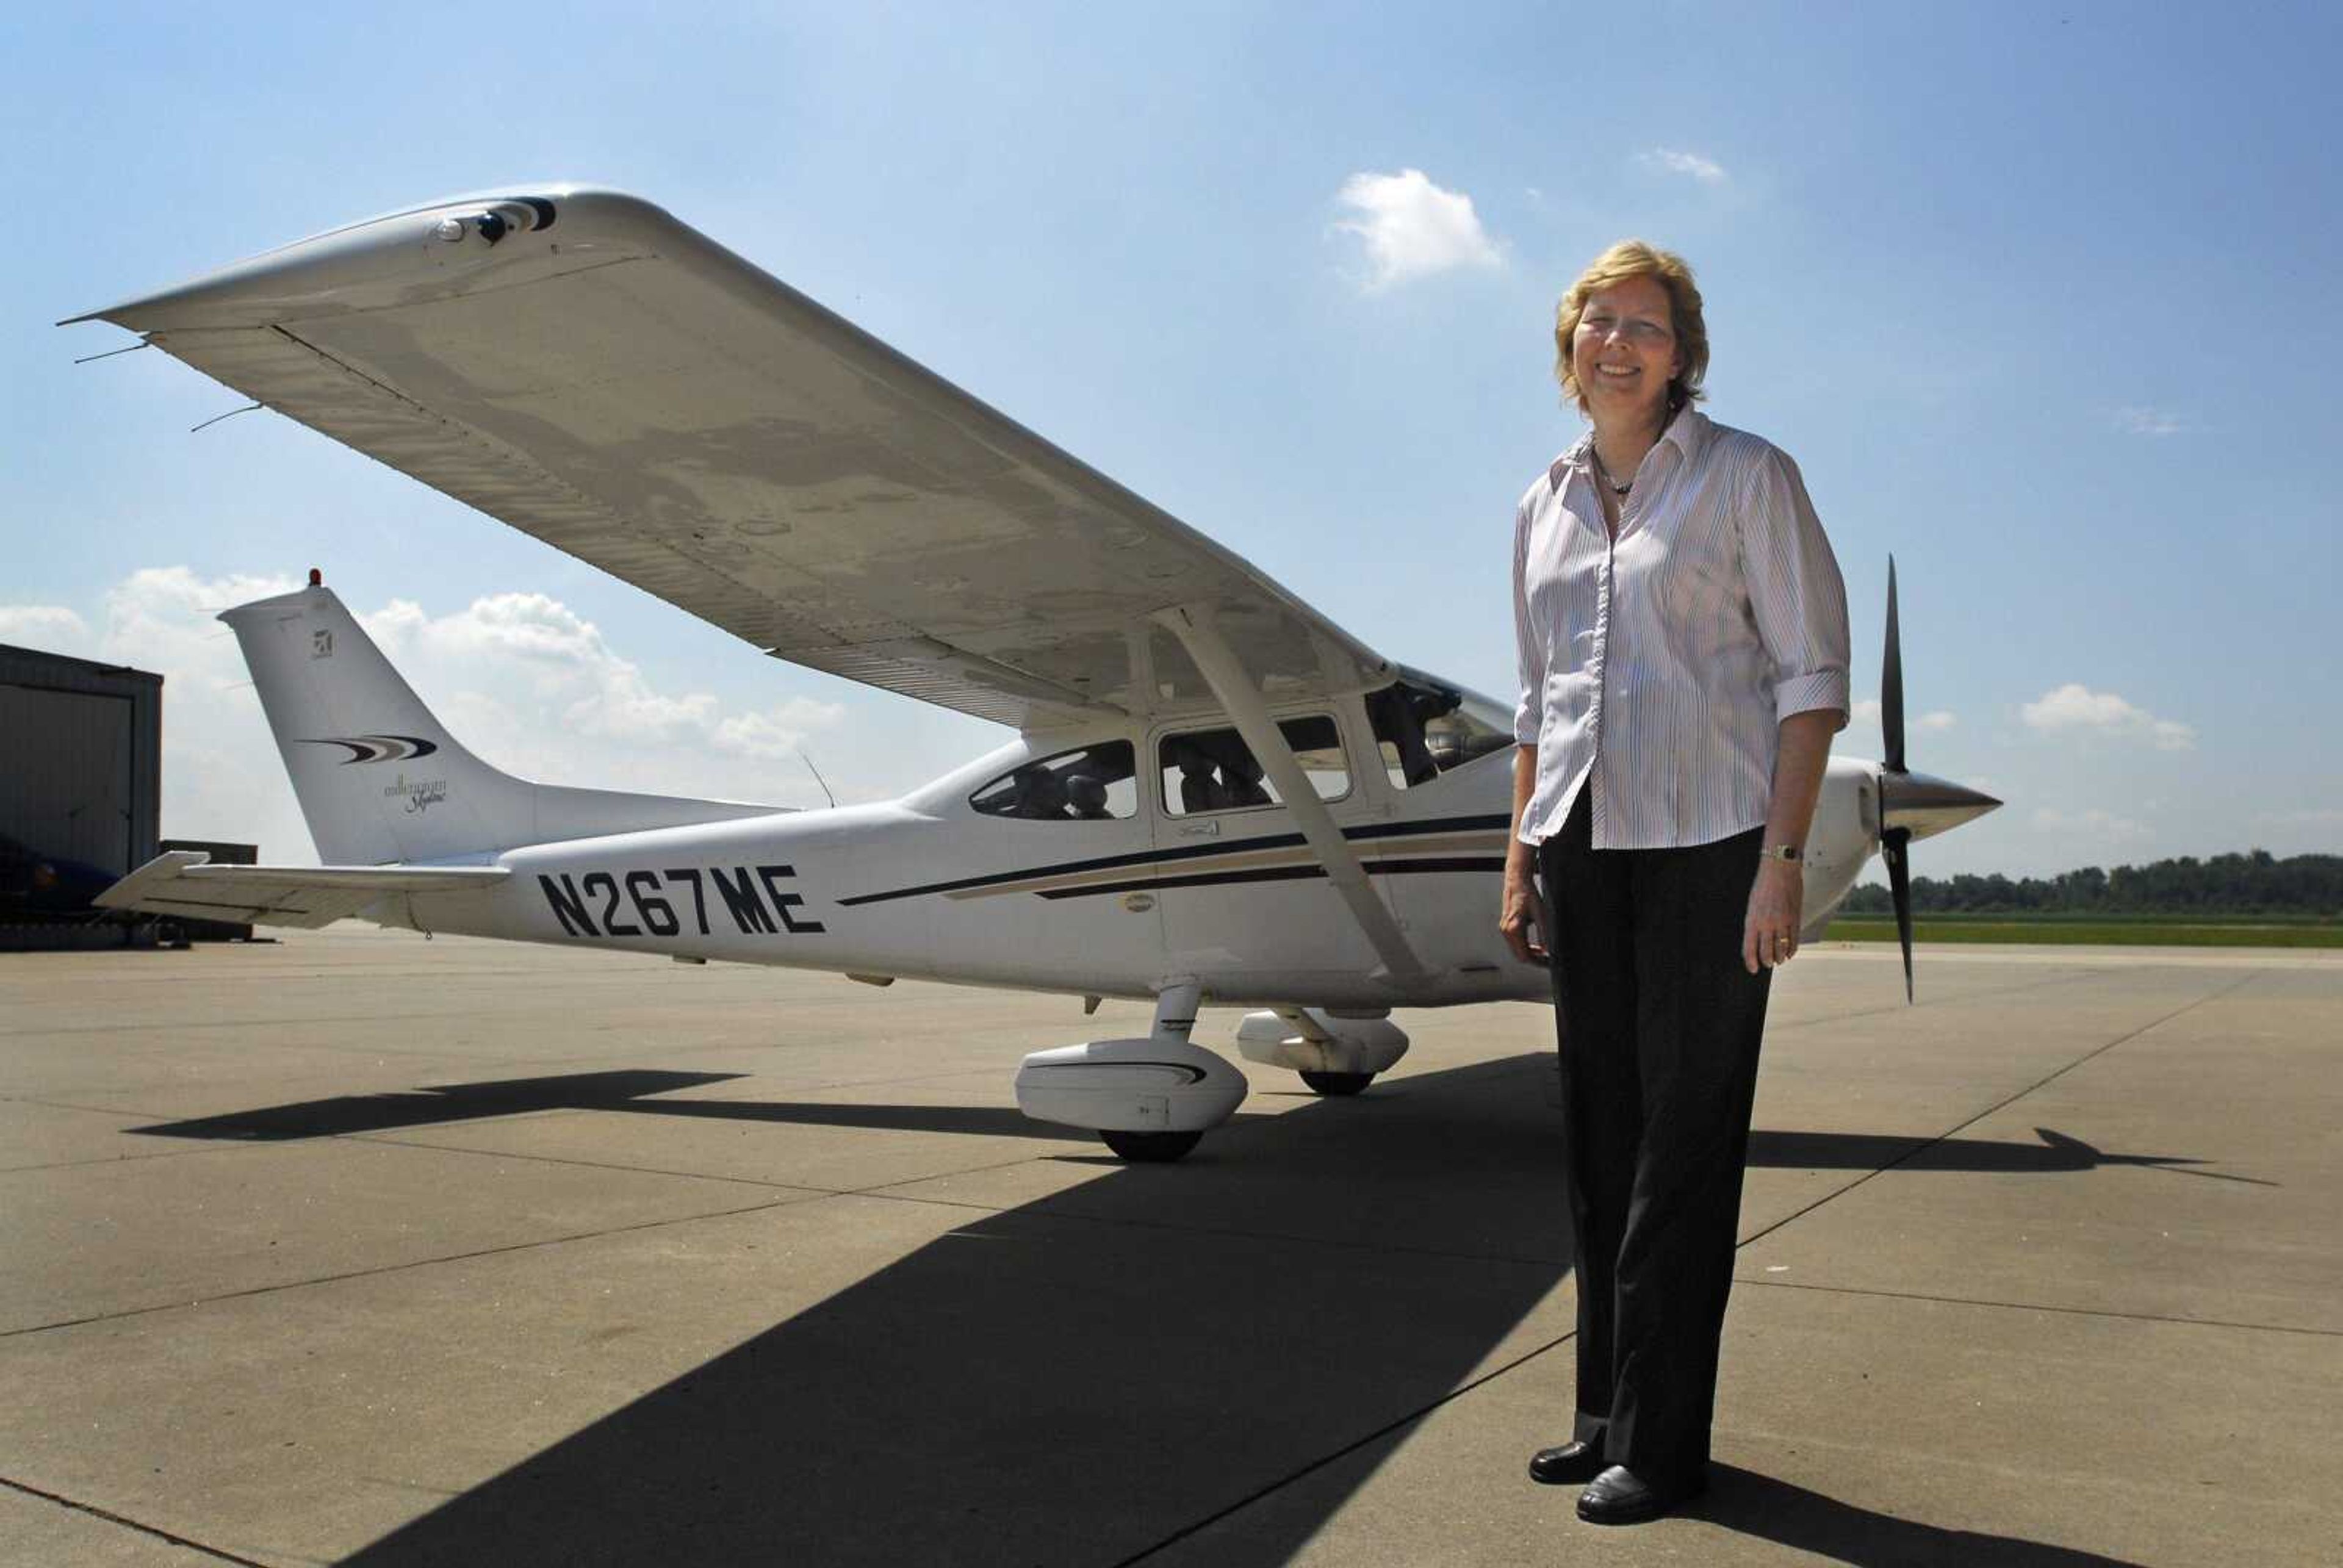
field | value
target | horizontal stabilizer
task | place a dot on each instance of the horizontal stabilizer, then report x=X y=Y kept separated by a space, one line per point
x=183 y=882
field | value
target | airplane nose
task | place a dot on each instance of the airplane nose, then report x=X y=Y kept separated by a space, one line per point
x=1925 y=806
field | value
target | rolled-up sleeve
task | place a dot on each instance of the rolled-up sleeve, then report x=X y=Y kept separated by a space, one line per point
x=1795 y=592
x=1529 y=713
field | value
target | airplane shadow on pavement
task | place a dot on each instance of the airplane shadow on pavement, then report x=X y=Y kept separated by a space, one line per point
x=1090 y=1377
x=631 y=1090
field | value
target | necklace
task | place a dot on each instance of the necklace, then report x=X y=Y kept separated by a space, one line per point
x=1604 y=475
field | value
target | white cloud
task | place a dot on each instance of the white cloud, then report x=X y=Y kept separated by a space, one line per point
x=2075 y=708
x=541 y=675
x=2091 y=824
x=520 y=679
x=161 y=619
x=2145 y=421
x=221 y=775
x=2171 y=735
x=1413 y=228
x=52 y=629
x=2312 y=817
x=1666 y=160
x=1934 y=722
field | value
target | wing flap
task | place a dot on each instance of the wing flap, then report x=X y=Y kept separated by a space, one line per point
x=183 y=882
x=620 y=386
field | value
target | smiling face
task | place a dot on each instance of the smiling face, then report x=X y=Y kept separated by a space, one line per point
x=1623 y=352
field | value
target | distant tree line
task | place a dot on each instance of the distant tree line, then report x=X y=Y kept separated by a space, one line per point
x=2251 y=884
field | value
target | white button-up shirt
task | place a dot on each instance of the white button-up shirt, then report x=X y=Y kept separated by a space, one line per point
x=1657 y=666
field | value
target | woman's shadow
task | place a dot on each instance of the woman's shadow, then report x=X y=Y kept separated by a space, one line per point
x=1792 y=1516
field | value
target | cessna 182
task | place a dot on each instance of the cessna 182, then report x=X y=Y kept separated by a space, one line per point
x=1215 y=794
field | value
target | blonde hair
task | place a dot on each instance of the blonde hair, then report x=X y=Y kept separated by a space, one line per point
x=1635 y=258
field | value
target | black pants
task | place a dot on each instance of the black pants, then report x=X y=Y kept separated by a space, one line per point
x=1658 y=1025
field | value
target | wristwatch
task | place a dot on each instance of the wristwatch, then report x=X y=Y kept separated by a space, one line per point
x=1790 y=852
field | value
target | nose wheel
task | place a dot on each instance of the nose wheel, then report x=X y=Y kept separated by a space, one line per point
x=1151 y=1148
x=1336 y=1085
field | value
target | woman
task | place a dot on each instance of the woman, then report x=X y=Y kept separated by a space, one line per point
x=1683 y=655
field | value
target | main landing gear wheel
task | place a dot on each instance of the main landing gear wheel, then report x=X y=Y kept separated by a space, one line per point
x=1336 y=1085
x=1151 y=1148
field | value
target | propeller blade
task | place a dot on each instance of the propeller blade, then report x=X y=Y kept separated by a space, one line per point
x=1891 y=682
x=1894 y=847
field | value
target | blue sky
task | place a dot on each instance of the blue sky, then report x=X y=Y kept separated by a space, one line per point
x=2038 y=298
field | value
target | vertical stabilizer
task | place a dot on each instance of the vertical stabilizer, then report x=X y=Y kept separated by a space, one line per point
x=379 y=779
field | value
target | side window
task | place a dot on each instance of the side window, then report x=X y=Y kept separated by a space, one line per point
x=1096 y=784
x=1423 y=730
x=1214 y=770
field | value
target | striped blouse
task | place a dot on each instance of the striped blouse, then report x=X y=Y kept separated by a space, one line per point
x=1656 y=667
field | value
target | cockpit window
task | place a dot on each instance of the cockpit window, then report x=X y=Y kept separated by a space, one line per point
x=1214 y=770
x=1423 y=729
x=1096 y=784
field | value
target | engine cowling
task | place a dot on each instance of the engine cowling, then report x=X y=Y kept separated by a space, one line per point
x=1151 y=1084
x=1843 y=837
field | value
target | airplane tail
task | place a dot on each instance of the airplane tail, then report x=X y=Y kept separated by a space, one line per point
x=379 y=779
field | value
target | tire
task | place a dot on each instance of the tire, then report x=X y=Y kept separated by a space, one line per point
x=1151 y=1148
x=1336 y=1085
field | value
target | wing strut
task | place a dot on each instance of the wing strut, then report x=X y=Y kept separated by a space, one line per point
x=1224 y=672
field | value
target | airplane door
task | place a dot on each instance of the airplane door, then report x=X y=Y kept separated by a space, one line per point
x=1238 y=889
x=1068 y=835
x=1440 y=762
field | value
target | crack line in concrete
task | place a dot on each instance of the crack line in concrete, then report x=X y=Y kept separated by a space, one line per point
x=38 y=1031
x=129 y=1159
x=1412 y=1417
x=2092 y=1055
x=1219 y=1232
x=1992 y=993
x=383 y=1141
x=1348 y=1449
x=71 y=1105
x=2040 y=1307
x=127 y=1524
x=394 y=1267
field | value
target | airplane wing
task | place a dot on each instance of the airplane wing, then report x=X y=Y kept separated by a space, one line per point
x=181 y=882
x=581 y=365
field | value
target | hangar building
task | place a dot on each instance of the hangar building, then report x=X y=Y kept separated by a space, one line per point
x=80 y=779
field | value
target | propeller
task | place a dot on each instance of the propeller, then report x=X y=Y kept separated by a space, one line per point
x=1891 y=682
x=1911 y=805
x=1895 y=843
x=1894 y=846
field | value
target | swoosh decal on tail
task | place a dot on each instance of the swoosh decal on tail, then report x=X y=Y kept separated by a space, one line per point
x=380 y=748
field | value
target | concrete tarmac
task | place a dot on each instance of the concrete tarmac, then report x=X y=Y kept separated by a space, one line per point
x=361 y=1248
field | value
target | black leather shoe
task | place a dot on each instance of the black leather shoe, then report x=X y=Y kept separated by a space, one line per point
x=1620 y=1496
x=1570 y=1466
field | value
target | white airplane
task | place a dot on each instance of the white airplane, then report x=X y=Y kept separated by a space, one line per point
x=1215 y=794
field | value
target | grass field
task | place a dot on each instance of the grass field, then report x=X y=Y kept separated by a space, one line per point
x=2137 y=930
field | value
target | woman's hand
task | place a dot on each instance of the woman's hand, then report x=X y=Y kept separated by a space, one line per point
x=1519 y=920
x=1769 y=935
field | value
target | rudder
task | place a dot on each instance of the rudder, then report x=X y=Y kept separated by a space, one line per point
x=379 y=779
